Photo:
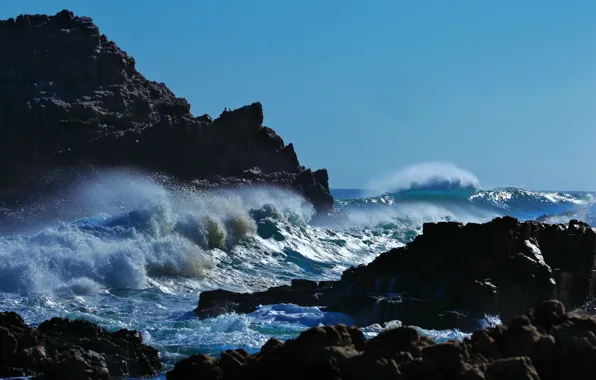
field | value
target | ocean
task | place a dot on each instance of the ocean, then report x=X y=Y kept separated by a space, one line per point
x=130 y=251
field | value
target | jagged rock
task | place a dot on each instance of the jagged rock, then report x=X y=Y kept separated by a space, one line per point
x=303 y=293
x=527 y=350
x=500 y=267
x=453 y=275
x=71 y=98
x=65 y=349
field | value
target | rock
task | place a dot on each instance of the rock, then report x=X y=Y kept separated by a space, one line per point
x=71 y=99
x=453 y=275
x=302 y=292
x=522 y=350
x=60 y=348
x=548 y=313
x=197 y=366
x=304 y=285
x=519 y=368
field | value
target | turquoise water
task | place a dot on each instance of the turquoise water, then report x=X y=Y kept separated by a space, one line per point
x=130 y=252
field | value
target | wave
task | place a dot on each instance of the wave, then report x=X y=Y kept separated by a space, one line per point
x=137 y=232
x=124 y=230
x=126 y=250
x=443 y=176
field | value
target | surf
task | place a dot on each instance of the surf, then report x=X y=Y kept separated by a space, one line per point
x=125 y=249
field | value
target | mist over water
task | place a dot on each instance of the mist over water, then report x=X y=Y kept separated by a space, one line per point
x=128 y=250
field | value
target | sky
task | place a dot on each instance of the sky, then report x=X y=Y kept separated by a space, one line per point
x=503 y=89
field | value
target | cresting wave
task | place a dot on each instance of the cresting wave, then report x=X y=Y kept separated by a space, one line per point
x=138 y=233
x=441 y=191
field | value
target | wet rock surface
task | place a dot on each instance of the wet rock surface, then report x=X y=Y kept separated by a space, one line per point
x=544 y=343
x=64 y=349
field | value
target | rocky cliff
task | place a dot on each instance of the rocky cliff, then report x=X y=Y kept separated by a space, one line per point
x=71 y=98
x=449 y=277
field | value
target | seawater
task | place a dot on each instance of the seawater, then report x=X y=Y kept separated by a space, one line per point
x=129 y=251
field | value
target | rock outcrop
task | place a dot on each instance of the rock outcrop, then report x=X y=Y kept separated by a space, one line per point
x=71 y=98
x=63 y=349
x=451 y=276
x=546 y=343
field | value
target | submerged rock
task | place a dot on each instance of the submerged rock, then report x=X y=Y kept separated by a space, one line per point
x=64 y=349
x=72 y=99
x=452 y=276
x=545 y=343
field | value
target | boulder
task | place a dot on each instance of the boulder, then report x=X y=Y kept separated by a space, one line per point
x=60 y=348
x=544 y=343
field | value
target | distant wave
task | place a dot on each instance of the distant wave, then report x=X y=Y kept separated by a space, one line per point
x=416 y=206
x=428 y=176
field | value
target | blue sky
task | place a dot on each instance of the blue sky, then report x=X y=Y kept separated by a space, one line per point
x=504 y=89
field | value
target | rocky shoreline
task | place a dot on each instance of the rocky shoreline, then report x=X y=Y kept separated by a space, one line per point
x=546 y=342
x=450 y=276
x=73 y=103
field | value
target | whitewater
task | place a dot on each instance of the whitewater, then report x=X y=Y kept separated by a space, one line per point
x=128 y=250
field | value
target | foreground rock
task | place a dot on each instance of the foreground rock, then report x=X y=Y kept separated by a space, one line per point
x=72 y=99
x=451 y=276
x=63 y=349
x=546 y=343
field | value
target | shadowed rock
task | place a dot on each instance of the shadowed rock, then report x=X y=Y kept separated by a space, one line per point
x=63 y=349
x=545 y=343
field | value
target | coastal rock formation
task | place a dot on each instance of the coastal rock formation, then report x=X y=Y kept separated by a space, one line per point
x=63 y=349
x=546 y=343
x=71 y=98
x=300 y=292
x=451 y=276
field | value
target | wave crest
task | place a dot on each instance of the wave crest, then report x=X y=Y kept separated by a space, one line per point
x=428 y=176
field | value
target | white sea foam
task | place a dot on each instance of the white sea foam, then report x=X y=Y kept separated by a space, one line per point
x=138 y=233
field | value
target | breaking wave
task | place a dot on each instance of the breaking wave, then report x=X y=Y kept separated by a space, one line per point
x=127 y=250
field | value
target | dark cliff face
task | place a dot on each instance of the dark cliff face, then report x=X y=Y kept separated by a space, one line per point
x=71 y=97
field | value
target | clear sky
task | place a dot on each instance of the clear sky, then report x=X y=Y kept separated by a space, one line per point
x=505 y=89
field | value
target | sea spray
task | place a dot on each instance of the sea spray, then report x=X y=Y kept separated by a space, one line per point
x=133 y=251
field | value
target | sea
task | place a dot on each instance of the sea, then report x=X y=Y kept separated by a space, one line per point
x=128 y=250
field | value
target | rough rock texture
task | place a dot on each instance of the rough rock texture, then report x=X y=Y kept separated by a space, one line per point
x=63 y=349
x=69 y=97
x=546 y=343
x=300 y=292
x=452 y=275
